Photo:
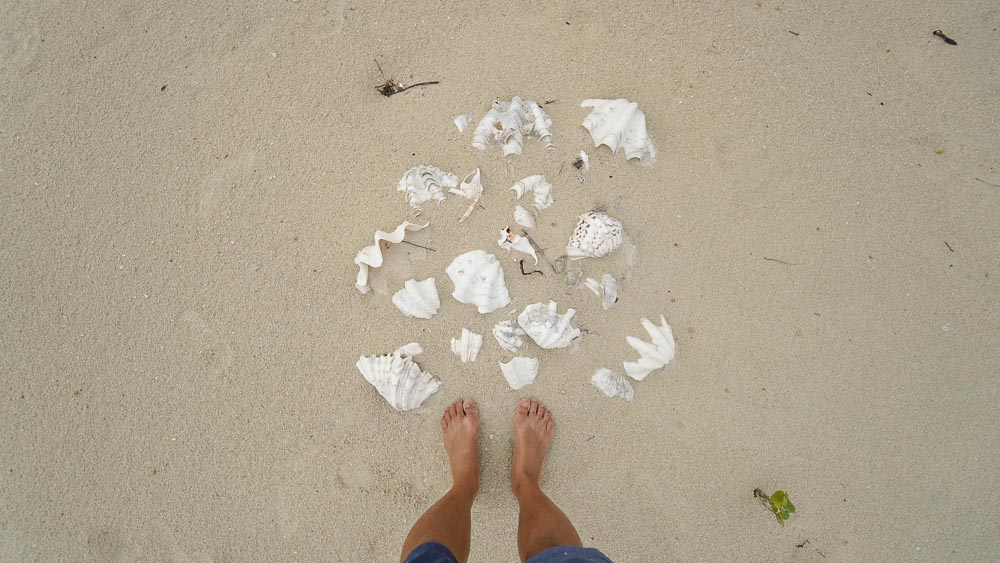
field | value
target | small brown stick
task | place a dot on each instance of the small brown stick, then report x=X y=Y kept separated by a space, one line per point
x=391 y=87
x=793 y=33
x=523 y=273
x=987 y=183
x=779 y=261
x=418 y=246
x=949 y=246
x=944 y=37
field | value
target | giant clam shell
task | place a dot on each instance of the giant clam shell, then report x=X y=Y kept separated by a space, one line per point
x=398 y=378
x=418 y=299
x=612 y=384
x=508 y=335
x=546 y=327
x=371 y=256
x=478 y=279
x=424 y=183
x=508 y=123
x=621 y=126
x=596 y=235
x=520 y=371
x=540 y=189
x=467 y=346
x=653 y=355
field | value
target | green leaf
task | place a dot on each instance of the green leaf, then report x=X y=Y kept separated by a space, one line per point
x=790 y=507
x=779 y=498
x=783 y=515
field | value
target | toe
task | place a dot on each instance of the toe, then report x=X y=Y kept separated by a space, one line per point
x=523 y=406
x=455 y=409
x=534 y=407
x=469 y=407
x=547 y=416
x=447 y=416
x=444 y=425
x=549 y=426
x=542 y=411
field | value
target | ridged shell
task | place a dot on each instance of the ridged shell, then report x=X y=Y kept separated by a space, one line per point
x=424 y=183
x=524 y=217
x=520 y=371
x=620 y=125
x=653 y=355
x=508 y=335
x=467 y=346
x=540 y=189
x=596 y=235
x=478 y=279
x=418 y=299
x=510 y=241
x=509 y=122
x=371 y=256
x=546 y=327
x=398 y=378
x=612 y=384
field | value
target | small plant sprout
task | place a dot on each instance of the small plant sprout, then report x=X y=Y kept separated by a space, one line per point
x=778 y=503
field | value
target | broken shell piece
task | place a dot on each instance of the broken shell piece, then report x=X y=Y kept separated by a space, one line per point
x=612 y=384
x=510 y=241
x=541 y=190
x=467 y=346
x=463 y=121
x=596 y=235
x=371 y=256
x=471 y=190
x=524 y=217
x=620 y=125
x=478 y=279
x=520 y=371
x=509 y=336
x=418 y=299
x=592 y=285
x=651 y=356
x=423 y=183
x=546 y=327
x=508 y=123
x=608 y=287
x=398 y=378
x=582 y=163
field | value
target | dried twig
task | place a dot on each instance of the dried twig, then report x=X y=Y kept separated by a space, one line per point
x=987 y=183
x=523 y=273
x=391 y=87
x=949 y=246
x=418 y=246
x=779 y=261
x=944 y=37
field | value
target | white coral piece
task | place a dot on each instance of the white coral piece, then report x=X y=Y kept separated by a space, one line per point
x=596 y=235
x=418 y=299
x=612 y=384
x=621 y=126
x=467 y=346
x=371 y=256
x=424 y=183
x=520 y=371
x=509 y=336
x=509 y=122
x=546 y=327
x=398 y=378
x=652 y=356
x=478 y=279
x=540 y=189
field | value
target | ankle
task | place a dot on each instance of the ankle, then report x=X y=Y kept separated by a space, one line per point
x=524 y=485
x=466 y=487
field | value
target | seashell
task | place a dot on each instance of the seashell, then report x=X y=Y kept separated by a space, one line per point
x=608 y=287
x=463 y=121
x=651 y=356
x=371 y=256
x=418 y=299
x=471 y=190
x=584 y=162
x=509 y=336
x=398 y=378
x=510 y=241
x=538 y=187
x=620 y=125
x=592 y=285
x=423 y=183
x=595 y=235
x=524 y=217
x=467 y=346
x=478 y=280
x=508 y=122
x=612 y=384
x=520 y=371
x=546 y=327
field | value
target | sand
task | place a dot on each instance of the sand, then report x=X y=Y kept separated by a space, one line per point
x=184 y=188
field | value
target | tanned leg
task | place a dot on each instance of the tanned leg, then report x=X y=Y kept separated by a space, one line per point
x=449 y=521
x=541 y=524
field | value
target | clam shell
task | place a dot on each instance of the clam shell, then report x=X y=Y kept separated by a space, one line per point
x=652 y=356
x=509 y=336
x=540 y=189
x=546 y=327
x=398 y=378
x=418 y=299
x=371 y=256
x=612 y=384
x=621 y=126
x=467 y=346
x=509 y=122
x=424 y=183
x=596 y=235
x=478 y=279
x=520 y=371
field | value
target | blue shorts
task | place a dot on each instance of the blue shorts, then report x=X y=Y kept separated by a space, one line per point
x=433 y=552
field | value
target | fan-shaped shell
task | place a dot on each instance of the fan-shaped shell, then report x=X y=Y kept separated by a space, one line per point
x=398 y=378
x=478 y=279
x=620 y=125
x=509 y=122
x=371 y=256
x=467 y=346
x=540 y=189
x=612 y=384
x=652 y=356
x=596 y=235
x=418 y=299
x=423 y=183
x=520 y=371
x=546 y=327
x=508 y=335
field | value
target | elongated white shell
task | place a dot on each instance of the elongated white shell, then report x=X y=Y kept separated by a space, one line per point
x=470 y=188
x=423 y=183
x=612 y=384
x=508 y=335
x=541 y=190
x=478 y=280
x=585 y=160
x=620 y=125
x=509 y=122
x=510 y=241
x=398 y=378
x=467 y=346
x=463 y=121
x=596 y=235
x=651 y=356
x=524 y=217
x=371 y=256
x=520 y=371
x=418 y=299
x=546 y=327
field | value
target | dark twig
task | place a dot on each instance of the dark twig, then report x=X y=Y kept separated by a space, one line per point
x=523 y=273
x=779 y=261
x=987 y=183
x=391 y=87
x=379 y=68
x=547 y=102
x=944 y=37
x=949 y=246
x=803 y=544
x=793 y=33
x=419 y=246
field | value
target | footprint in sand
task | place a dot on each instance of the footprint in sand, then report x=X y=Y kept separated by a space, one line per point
x=230 y=179
x=212 y=354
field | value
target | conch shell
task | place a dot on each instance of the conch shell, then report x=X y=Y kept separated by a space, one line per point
x=596 y=235
x=510 y=241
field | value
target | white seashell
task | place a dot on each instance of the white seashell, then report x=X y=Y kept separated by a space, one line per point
x=651 y=356
x=593 y=285
x=520 y=371
x=418 y=299
x=509 y=336
x=524 y=217
x=546 y=327
x=463 y=121
x=585 y=160
x=478 y=280
x=595 y=235
x=612 y=384
x=620 y=125
x=423 y=183
x=510 y=241
x=467 y=346
x=610 y=286
x=541 y=190
x=371 y=256
x=508 y=122
x=398 y=378
x=471 y=190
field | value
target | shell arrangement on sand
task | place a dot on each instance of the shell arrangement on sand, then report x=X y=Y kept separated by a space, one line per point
x=424 y=183
x=540 y=189
x=652 y=356
x=546 y=327
x=596 y=235
x=621 y=126
x=470 y=188
x=612 y=384
x=520 y=371
x=608 y=287
x=478 y=279
x=418 y=299
x=467 y=346
x=509 y=336
x=510 y=241
x=509 y=122
x=398 y=378
x=371 y=256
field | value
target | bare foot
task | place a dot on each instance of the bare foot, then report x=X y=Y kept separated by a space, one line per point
x=533 y=431
x=460 y=431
